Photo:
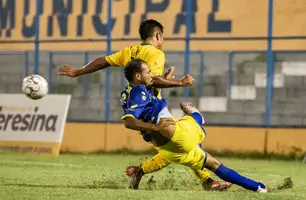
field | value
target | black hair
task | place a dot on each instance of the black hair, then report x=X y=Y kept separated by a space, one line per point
x=133 y=67
x=147 y=28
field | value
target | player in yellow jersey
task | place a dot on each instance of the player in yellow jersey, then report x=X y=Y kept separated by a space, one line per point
x=151 y=34
x=175 y=140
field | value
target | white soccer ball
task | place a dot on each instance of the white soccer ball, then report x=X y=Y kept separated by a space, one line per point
x=35 y=86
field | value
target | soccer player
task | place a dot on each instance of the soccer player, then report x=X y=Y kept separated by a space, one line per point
x=151 y=34
x=175 y=140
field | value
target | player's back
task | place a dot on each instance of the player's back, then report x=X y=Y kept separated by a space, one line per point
x=155 y=58
x=144 y=52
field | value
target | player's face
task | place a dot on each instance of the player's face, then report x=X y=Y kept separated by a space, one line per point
x=146 y=75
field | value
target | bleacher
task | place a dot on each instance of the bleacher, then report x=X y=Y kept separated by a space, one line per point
x=241 y=101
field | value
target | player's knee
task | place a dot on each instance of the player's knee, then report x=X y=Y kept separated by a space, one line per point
x=212 y=163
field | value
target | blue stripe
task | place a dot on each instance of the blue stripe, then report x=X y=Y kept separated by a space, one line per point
x=198 y=118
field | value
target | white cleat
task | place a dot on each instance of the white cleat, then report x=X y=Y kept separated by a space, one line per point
x=188 y=109
x=262 y=190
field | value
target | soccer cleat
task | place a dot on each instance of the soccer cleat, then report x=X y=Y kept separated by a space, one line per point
x=136 y=173
x=188 y=109
x=216 y=185
x=262 y=188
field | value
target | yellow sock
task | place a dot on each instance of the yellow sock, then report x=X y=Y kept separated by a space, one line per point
x=154 y=164
x=202 y=175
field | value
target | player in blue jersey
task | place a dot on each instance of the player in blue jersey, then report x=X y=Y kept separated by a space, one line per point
x=175 y=140
x=149 y=50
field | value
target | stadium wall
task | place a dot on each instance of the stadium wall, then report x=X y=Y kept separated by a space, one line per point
x=93 y=137
x=216 y=24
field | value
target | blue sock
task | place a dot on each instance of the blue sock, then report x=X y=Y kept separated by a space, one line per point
x=199 y=119
x=235 y=178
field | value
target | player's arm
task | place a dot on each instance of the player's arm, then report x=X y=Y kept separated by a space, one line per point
x=160 y=82
x=131 y=122
x=132 y=114
x=156 y=64
x=93 y=66
x=135 y=124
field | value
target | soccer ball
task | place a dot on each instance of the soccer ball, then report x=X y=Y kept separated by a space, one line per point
x=34 y=86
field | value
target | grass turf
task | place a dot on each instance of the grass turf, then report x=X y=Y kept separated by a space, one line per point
x=26 y=176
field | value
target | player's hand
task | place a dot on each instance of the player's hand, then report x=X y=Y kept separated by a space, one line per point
x=68 y=71
x=164 y=123
x=169 y=73
x=187 y=80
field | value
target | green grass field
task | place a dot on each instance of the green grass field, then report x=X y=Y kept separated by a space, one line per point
x=24 y=176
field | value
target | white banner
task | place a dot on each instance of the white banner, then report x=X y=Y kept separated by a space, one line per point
x=26 y=120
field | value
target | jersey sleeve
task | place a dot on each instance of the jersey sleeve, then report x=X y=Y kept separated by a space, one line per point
x=135 y=104
x=116 y=59
x=156 y=63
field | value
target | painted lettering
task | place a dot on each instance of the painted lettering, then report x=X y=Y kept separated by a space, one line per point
x=7 y=17
x=181 y=17
x=214 y=25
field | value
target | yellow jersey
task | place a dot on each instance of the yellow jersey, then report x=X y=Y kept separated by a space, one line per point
x=154 y=57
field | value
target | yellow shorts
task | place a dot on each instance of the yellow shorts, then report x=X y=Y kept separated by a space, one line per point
x=184 y=145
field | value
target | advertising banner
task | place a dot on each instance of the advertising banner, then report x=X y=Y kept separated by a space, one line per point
x=32 y=125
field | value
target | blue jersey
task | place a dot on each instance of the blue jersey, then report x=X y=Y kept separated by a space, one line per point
x=140 y=103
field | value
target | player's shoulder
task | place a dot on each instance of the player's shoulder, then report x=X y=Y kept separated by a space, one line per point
x=156 y=50
x=148 y=48
x=125 y=49
x=138 y=90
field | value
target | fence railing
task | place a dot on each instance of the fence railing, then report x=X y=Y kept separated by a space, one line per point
x=237 y=77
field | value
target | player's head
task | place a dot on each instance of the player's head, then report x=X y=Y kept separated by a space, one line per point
x=137 y=72
x=151 y=30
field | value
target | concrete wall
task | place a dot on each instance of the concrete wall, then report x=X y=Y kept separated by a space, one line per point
x=90 y=137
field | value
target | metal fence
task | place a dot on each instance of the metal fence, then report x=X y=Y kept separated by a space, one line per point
x=262 y=88
x=237 y=77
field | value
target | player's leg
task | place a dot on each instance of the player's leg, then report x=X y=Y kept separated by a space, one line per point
x=232 y=176
x=158 y=162
x=192 y=111
x=208 y=183
x=214 y=165
x=149 y=166
x=187 y=136
x=195 y=159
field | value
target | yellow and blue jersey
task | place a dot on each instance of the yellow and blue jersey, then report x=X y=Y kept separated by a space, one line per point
x=140 y=103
